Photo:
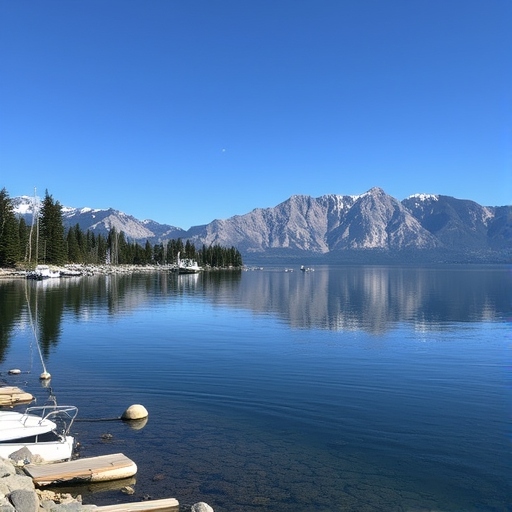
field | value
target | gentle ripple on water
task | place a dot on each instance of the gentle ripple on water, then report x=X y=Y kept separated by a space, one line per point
x=347 y=390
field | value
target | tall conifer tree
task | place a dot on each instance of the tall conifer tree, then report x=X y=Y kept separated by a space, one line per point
x=52 y=246
x=9 y=233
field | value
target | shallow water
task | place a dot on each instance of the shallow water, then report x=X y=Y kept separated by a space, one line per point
x=349 y=388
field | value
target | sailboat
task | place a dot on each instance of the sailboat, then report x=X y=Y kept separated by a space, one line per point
x=40 y=271
x=42 y=430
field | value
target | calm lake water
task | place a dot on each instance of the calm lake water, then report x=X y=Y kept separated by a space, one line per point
x=343 y=389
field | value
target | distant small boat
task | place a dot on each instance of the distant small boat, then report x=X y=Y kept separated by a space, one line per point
x=306 y=269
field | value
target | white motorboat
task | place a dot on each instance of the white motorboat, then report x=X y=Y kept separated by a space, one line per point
x=43 y=272
x=43 y=430
x=187 y=266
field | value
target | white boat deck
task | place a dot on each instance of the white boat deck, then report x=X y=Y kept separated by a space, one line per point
x=16 y=425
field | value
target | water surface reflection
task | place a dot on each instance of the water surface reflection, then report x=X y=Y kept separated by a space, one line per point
x=373 y=299
x=351 y=388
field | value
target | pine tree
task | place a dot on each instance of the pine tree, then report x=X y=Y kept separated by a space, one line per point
x=148 y=253
x=74 y=255
x=158 y=253
x=52 y=245
x=9 y=232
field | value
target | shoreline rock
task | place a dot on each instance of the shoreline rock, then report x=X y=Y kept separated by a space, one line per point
x=18 y=494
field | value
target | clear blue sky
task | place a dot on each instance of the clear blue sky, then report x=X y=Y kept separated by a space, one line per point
x=184 y=111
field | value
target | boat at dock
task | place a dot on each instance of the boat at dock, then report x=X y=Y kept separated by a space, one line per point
x=186 y=266
x=43 y=430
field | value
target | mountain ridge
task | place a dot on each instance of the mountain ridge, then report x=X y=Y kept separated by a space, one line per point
x=332 y=224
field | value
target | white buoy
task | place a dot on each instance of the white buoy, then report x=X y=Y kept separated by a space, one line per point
x=14 y=371
x=135 y=412
x=45 y=376
x=201 y=507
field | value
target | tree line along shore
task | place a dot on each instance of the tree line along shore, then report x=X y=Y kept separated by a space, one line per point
x=46 y=240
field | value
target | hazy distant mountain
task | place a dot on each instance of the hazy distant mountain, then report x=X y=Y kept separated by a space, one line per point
x=101 y=221
x=340 y=228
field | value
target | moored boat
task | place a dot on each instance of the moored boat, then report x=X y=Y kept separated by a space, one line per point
x=43 y=272
x=43 y=430
x=187 y=266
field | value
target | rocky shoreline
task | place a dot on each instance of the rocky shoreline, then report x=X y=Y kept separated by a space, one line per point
x=77 y=270
x=18 y=494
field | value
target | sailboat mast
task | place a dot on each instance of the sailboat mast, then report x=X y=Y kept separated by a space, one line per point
x=37 y=227
x=34 y=216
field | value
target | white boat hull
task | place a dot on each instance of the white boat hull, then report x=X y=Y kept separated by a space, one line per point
x=49 y=451
x=187 y=266
x=189 y=270
x=35 y=431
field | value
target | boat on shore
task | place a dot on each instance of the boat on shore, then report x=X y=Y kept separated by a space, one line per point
x=43 y=430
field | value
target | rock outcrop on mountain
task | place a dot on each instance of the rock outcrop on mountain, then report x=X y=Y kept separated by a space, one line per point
x=461 y=222
x=420 y=228
x=378 y=221
x=373 y=220
x=370 y=223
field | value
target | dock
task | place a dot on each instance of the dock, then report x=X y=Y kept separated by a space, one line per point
x=165 y=505
x=92 y=469
x=12 y=395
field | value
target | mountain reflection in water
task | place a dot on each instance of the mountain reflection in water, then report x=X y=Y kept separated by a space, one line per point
x=346 y=388
x=372 y=299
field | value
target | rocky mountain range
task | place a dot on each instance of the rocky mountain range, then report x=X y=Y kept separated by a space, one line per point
x=370 y=227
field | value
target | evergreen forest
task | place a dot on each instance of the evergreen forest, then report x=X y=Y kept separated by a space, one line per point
x=47 y=241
